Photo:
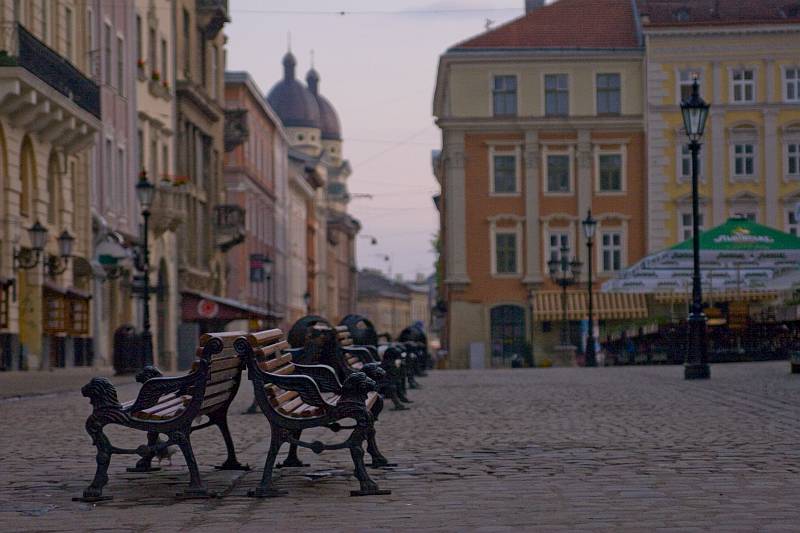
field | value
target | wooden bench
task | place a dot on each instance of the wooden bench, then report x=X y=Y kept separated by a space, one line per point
x=295 y=397
x=168 y=406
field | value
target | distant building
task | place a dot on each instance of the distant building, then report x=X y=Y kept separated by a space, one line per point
x=321 y=234
x=256 y=172
x=542 y=120
x=421 y=301
x=50 y=115
x=385 y=302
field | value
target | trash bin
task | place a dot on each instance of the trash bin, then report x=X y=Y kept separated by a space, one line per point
x=126 y=350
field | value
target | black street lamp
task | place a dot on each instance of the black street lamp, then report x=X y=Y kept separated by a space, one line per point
x=145 y=191
x=695 y=113
x=564 y=273
x=58 y=265
x=589 y=227
x=28 y=258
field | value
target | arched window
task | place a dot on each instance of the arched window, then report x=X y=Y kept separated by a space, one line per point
x=54 y=192
x=508 y=333
x=27 y=175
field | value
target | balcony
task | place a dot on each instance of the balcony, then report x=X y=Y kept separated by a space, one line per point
x=43 y=93
x=212 y=16
x=229 y=226
x=169 y=208
x=236 y=130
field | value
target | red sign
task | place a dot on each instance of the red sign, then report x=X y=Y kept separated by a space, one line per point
x=207 y=308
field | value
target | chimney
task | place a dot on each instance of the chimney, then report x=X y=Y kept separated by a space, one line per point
x=533 y=5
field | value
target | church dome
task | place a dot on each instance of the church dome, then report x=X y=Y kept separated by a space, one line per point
x=296 y=106
x=329 y=120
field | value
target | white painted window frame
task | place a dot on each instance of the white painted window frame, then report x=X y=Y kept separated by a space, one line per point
x=788 y=214
x=791 y=137
x=597 y=73
x=684 y=228
x=680 y=83
x=502 y=150
x=516 y=230
x=570 y=103
x=570 y=152
x=560 y=231
x=492 y=76
x=622 y=151
x=785 y=83
x=623 y=246
x=743 y=83
x=743 y=138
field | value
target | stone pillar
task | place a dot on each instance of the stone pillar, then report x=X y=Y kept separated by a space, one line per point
x=585 y=186
x=533 y=237
x=772 y=213
x=718 y=153
x=455 y=205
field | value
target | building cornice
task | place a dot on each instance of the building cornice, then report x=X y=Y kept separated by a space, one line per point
x=750 y=27
x=627 y=122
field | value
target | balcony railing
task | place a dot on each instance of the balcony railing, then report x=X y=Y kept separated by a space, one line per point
x=19 y=47
x=169 y=208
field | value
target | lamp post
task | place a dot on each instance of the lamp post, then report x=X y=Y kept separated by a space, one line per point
x=564 y=273
x=589 y=227
x=145 y=191
x=695 y=113
x=28 y=258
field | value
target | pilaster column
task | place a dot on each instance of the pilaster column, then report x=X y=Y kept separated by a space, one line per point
x=533 y=237
x=585 y=187
x=455 y=204
x=772 y=213
x=718 y=152
x=769 y=76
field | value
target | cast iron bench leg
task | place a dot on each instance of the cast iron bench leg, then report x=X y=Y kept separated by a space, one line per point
x=265 y=489
x=94 y=492
x=292 y=460
x=231 y=463
x=145 y=463
x=196 y=488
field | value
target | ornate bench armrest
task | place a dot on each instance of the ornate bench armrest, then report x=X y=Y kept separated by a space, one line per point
x=154 y=388
x=303 y=385
x=324 y=375
x=361 y=352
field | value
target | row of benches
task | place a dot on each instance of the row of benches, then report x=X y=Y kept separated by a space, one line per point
x=318 y=380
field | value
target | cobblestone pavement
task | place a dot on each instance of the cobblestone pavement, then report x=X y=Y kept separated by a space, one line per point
x=22 y=384
x=607 y=449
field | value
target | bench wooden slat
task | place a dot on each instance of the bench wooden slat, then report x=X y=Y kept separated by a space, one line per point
x=290 y=406
x=225 y=375
x=219 y=387
x=222 y=364
x=165 y=410
x=270 y=349
x=260 y=338
x=269 y=366
x=213 y=400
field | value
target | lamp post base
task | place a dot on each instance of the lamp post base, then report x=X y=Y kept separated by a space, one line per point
x=696 y=371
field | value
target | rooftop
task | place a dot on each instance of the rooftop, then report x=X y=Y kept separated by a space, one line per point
x=571 y=24
x=656 y=13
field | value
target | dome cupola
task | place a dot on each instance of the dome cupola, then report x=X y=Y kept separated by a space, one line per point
x=296 y=106
x=329 y=120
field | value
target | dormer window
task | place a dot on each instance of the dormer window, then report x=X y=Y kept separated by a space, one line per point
x=680 y=15
x=300 y=137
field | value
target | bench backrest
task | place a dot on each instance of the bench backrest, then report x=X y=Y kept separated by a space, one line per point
x=225 y=370
x=343 y=336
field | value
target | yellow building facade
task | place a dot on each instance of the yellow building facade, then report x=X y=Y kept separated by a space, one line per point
x=750 y=159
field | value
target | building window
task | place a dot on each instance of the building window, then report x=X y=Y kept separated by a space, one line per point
x=504 y=173
x=611 y=251
x=121 y=66
x=743 y=85
x=139 y=54
x=122 y=170
x=558 y=169
x=68 y=36
x=685 y=82
x=165 y=162
x=504 y=95
x=793 y=160
x=608 y=94
x=45 y=21
x=556 y=240
x=140 y=148
x=109 y=78
x=556 y=95
x=54 y=193
x=791 y=84
x=109 y=178
x=686 y=162
x=791 y=223
x=685 y=230
x=187 y=28
x=164 y=60
x=505 y=252
x=152 y=50
x=610 y=173
x=743 y=160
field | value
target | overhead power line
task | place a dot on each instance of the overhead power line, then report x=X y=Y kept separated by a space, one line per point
x=344 y=12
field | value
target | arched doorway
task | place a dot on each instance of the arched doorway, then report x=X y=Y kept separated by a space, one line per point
x=162 y=317
x=54 y=202
x=29 y=292
x=507 y=333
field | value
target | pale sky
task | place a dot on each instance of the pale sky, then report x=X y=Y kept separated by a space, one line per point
x=378 y=69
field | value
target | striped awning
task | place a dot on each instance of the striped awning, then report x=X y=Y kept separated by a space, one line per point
x=747 y=295
x=606 y=306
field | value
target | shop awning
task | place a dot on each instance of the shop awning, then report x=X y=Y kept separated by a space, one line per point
x=196 y=306
x=606 y=306
x=718 y=296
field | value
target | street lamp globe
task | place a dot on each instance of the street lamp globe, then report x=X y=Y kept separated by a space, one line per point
x=65 y=242
x=589 y=226
x=145 y=191
x=38 y=236
x=695 y=112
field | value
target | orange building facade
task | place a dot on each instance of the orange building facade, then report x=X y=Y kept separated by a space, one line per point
x=540 y=124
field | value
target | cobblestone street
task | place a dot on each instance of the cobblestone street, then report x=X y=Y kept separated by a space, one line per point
x=607 y=449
